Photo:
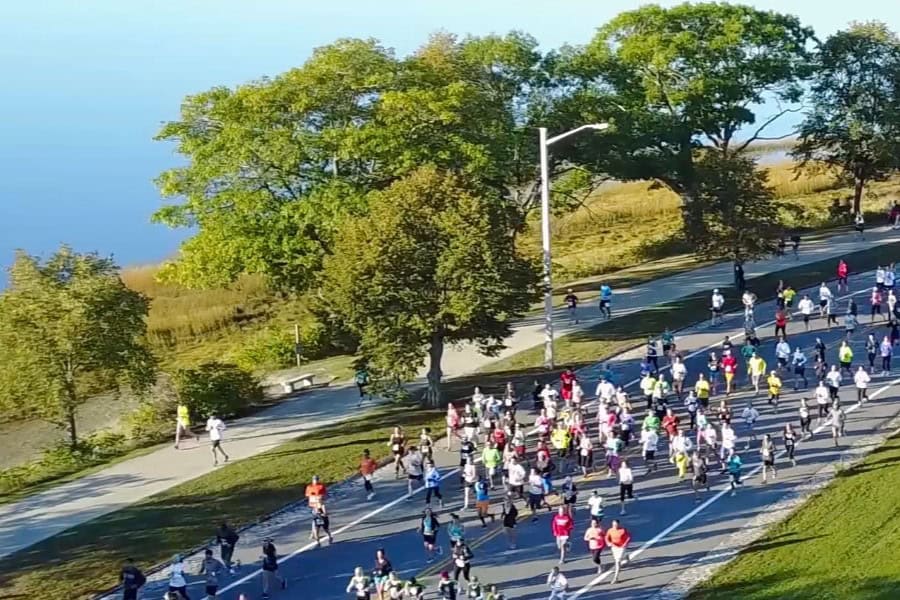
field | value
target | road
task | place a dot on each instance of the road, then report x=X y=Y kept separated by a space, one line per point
x=671 y=531
x=48 y=513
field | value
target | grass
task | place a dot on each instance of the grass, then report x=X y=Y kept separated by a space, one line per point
x=82 y=559
x=843 y=543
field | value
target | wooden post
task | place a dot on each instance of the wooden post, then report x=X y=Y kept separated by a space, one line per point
x=297 y=342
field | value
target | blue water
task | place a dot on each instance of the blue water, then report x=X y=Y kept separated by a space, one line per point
x=86 y=84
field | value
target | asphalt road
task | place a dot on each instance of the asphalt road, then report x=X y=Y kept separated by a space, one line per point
x=670 y=530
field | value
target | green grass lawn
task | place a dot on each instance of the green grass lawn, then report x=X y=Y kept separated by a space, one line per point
x=84 y=558
x=843 y=543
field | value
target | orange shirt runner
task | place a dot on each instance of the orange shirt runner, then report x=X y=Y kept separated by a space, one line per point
x=315 y=494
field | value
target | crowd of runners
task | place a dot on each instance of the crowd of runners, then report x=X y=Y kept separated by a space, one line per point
x=514 y=465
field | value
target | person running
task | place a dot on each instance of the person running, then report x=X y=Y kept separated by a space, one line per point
x=780 y=322
x=652 y=355
x=729 y=367
x=667 y=338
x=571 y=301
x=805 y=419
x=397 y=444
x=132 y=579
x=606 y=301
x=875 y=300
x=871 y=351
x=360 y=585
x=361 y=378
x=617 y=538
x=210 y=568
x=843 y=271
x=822 y=399
x=561 y=527
x=700 y=470
x=315 y=493
x=885 y=349
x=850 y=323
x=367 y=468
x=227 y=538
x=596 y=541
x=413 y=465
x=790 y=442
x=270 y=577
x=585 y=455
x=570 y=495
x=432 y=484
x=215 y=426
x=394 y=586
x=806 y=306
x=691 y=405
x=536 y=491
x=183 y=424
x=861 y=379
x=734 y=465
x=447 y=588
x=429 y=527
x=510 y=518
x=834 y=379
x=774 y=382
x=838 y=419
x=756 y=368
x=859 y=225
x=767 y=453
x=748 y=299
x=679 y=374
x=750 y=416
x=798 y=361
x=321 y=523
x=462 y=562
x=717 y=305
x=626 y=485
x=558 y=584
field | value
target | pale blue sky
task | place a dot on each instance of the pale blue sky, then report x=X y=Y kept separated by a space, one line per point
x=87 y=83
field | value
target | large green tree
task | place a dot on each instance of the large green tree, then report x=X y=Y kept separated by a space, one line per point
x=733 y=215
x=678 y=82
x=274 y=166
x=854 y=122
x=430 y=264
x=69 y=328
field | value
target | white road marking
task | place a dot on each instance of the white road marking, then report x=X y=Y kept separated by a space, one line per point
x=725 y=490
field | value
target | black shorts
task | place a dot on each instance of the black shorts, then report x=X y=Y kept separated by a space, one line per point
x=700 y=479
x=649 y=454
x=604 y=303
x=516 y=489
x=211 y=590
x=414 y=477
x=716 y=311
x=429 y=538
x=782 y=362
x=129 y=594
x=845 y=365
x=876 y=309
x=769 y=461
x=562 y=452
x=570 y=501
x=823 y=303
x=217 y=443
x=806 y=318
x=666 y=348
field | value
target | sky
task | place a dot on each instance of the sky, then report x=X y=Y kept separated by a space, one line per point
x=87 y=84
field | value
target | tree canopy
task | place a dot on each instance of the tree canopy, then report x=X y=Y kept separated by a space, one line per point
x=854 y=121
x=431 y=263
x=69 y=328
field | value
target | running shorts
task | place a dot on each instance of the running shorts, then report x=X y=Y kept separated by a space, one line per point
x=483 y=505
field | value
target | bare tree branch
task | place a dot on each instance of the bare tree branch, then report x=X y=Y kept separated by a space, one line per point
x=756 y=135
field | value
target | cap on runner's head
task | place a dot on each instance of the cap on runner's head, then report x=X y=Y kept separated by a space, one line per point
x=716 y=291
x=315 y=478
x=445 y=575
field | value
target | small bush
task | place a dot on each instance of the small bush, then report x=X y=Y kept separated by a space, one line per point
x=220 y=388
x=271 y=349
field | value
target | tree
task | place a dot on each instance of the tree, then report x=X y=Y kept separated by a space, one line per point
x=733 y=215
x=69 y=328
x=854 y=123
x=677 y=83
x=217 y=388
x=432 y=263
x=274 y=166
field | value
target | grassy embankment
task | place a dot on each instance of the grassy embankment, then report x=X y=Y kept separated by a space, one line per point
x=82 y=559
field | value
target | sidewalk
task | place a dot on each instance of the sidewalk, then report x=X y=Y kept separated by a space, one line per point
x=46 y=514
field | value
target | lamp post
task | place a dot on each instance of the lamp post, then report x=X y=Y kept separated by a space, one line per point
x=545 y=230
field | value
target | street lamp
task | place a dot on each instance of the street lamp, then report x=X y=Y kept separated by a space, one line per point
x=545 y=230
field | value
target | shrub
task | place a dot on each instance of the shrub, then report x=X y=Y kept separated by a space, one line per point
x=271 y=349
x=220 y=388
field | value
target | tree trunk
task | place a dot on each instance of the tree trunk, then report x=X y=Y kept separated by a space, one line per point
x=858 y=184
x=70 y=426
x=435 y=353
x=71 y=402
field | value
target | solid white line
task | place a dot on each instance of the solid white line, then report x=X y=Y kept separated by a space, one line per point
x=397 y=501
x=709 y=501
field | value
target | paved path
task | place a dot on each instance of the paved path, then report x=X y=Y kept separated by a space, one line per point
x=671 y=531
x=46 y=514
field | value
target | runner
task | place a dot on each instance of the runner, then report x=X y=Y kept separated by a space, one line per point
x=729 y=367
x=596 y=541
x=515 y=479
x=859 y=224
x=536 y=494
x=875 y=300
x=679 y=374
x=469 y=479
x=886 y=349
x=426 y=443
x=756 y=368
x=453 y=424
x=789 y=294
x=432 y=484
x=595 y=505
x=360 y=585
x=586 y=454
x=850 y=324
x=668 y=344
x=842 y=272
x=397 y=444
x=845 y=357
x=558 y=584
x=733 y=465
x=571 y=301
x=798 y=360
x=394 y=586
x=626 y=485
x=767 y=453
x=704 y=388
x=510 y=518
x=561 y=527
x=838 y=418
x=748 y=299
x=717 y=304
x=879 y=277
x=774 y=382
x=606 y=301
x=700 y=470
x=714 y=368
x=483 y=501
x=782 y=354
x=429 y=527
x=871 y=351
x=227 y=538
x=691 y=404
x=805 y=419
x=132 y=580
x=780 y=322
x=462 y=562
x=215 y=426
x=413 y=465
x=321 y=523
x=790 y=442
x=750 y=415
x=822 y=399
x=270 y=577
x=570 y=496
x=652 y=355
x=617 y=538
x=861 y=379
x=834 y=380
x=805 y=306
x=491 y=457
x=446 y=587
x=361 y=377
x=183 y=424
